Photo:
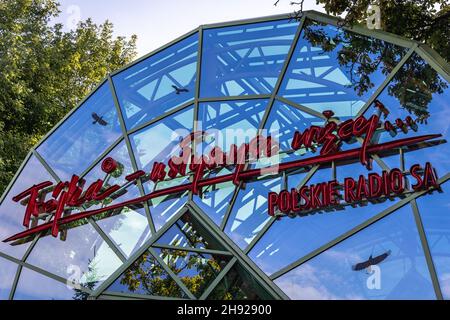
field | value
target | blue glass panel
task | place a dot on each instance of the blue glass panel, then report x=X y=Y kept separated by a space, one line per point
x=79 y=253
x=434 y=210
x=159 y=83
x=12 y=213
x=35 y=286
x=227 y=123
x=338 y=70
x=418 y=91
x=215 y=200
x=164 y=208
x=129 y=229
x=230 y=122
x=157 y=143
x=245 y=59
x=282 y=123
x=288 y=239
x=250 y=214
x=7 y=273
x=146 y=276
x=160 y=141
x=87 y=133
x=121 y=156
x=335 y=274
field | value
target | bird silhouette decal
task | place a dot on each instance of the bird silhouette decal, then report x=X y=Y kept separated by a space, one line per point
x=382 y=108
x=371 y=261
x=98 y=119
x=179 y=90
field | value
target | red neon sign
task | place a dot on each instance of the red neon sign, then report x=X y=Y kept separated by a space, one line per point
x=72 y=193
x=329 y=194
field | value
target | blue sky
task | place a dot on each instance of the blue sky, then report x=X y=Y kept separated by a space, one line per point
x=157 y=22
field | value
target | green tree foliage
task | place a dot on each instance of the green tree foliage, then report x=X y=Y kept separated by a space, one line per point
x=425 y=21
x=46 y=71
x=195 y=270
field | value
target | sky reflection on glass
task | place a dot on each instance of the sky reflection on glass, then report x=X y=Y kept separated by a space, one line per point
x=434 y=211
x=403 y=274
x=159 y=83
x=337 y=70
x=81 y=138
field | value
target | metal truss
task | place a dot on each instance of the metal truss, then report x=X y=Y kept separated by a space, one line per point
x=430 y=56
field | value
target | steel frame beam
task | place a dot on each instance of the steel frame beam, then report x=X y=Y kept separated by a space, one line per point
x=131 y=296
x=246 y=262
x=426 y=249
x=130 y=152
x=41 y=271
x=189 y=249
x=148 y=243
x=387 y=80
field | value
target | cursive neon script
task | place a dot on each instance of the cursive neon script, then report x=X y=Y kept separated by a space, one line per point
x=73 y=194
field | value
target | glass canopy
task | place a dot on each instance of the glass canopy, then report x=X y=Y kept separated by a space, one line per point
x=233 y=81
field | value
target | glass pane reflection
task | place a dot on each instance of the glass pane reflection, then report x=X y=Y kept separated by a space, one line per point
x=164 y=208
x=159 y=83
x=250 y=214
x=129 y=229
x=338 y=70
x=403 y=274
x=282 y=123
x=157 y=143
x=186 y=232
x=160 y=141
x=87 y=133
x=78 y=252
x=35 y=286
x=196 y=270
x=238 y=285
x=215 y=200
x=146 y=276
x=290 y=239
x=418 y=91
x=8 y=271
x=245 y=59
x=12 y=213
x=434 y=211
x=228 y=123
x=124 y=168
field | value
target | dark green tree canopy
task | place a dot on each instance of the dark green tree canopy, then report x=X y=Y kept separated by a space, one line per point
x=46 y=71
